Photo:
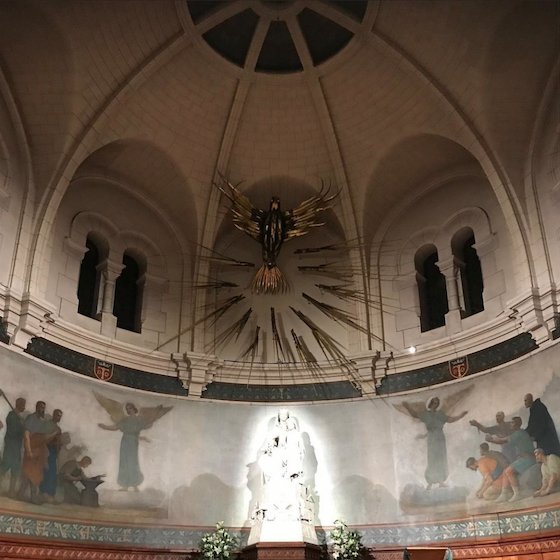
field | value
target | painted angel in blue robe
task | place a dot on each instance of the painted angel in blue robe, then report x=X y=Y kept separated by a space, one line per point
x=434 y=414
x=131 y=421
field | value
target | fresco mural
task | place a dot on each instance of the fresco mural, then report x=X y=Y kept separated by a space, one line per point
x=131 y=422
x=434 y=414
x=79 y=448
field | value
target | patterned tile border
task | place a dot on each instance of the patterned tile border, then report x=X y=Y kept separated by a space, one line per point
x=494 y=528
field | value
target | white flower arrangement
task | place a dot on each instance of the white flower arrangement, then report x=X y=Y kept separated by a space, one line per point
x=345 y=543
x=218 y=545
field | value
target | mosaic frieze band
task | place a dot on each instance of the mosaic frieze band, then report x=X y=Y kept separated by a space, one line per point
x=405 y=381
x=121 y=375
x=507 y=525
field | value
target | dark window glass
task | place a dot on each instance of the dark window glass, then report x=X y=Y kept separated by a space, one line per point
x=127 y=304
x=471 y=279
x=278 y=52
x=433 y=294
x=88 y=283
x=323 y=36
x=232 y=38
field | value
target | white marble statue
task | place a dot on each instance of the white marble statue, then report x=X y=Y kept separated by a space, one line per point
x=285 y=510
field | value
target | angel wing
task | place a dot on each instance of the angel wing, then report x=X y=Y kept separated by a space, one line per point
x=413 y=409
x=246 y=217
x=306 y=216
x=150 y=414
x=115 y=409
x=448 y=403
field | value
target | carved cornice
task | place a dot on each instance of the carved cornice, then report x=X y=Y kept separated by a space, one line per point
x=479 y=551
x=32 y=551
x=515 y=548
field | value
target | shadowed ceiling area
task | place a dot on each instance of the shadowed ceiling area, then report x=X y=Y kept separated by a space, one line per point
x=146 y=170
x=409 y=169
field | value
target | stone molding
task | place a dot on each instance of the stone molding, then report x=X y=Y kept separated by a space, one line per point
x=549 y=546
x=196 y=373
x=31 y=551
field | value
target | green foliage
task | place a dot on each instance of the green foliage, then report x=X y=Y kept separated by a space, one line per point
x=218 y=545
x=345 y=543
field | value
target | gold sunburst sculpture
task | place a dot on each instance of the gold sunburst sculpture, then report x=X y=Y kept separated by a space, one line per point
x=272 y=227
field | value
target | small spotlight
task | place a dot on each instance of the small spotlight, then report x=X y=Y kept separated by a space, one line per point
x=412 y=349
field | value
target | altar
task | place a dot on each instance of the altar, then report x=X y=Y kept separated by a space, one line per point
x=281 y=551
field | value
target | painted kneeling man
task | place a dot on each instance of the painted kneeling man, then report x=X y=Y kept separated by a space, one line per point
x=283 y=512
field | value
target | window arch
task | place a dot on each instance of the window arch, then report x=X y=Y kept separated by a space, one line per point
x=468 y=262
x=432 y=289
x=89 y=280
x=127 y=306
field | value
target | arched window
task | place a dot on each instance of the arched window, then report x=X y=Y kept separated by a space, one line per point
x=88 y=283
x=472 y=283
x=127 y=305
x=432 y=289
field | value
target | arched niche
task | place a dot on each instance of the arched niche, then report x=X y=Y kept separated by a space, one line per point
x=448 y=202
x=111 y=195
x=406 y=166
x=151 y=173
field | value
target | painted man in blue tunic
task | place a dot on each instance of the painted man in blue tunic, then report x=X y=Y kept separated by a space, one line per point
x=13 y=443
x=48 y=485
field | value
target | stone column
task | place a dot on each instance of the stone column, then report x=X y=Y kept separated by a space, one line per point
x=109 y=271
x=450 y=270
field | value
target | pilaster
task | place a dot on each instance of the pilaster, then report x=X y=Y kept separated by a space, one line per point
x=365 y=372
x=34 y=318
x=381 y=363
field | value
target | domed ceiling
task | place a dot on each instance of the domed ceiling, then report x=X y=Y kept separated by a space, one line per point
x=374 y=99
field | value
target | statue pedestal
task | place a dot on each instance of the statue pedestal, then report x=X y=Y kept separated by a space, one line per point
x=281 y=551
x=286 y=531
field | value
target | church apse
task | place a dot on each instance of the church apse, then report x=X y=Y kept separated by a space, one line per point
x=88 y=451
